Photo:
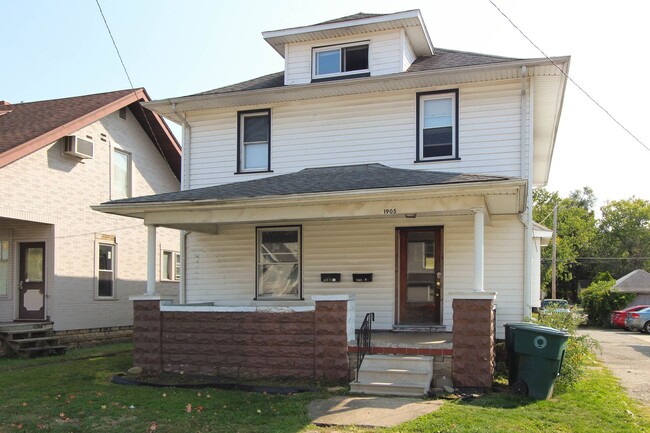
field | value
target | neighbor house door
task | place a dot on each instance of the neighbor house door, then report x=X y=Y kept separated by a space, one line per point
x=419 y=275
x=31 y=281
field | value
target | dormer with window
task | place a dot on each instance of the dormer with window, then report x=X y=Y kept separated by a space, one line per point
x=361 y=45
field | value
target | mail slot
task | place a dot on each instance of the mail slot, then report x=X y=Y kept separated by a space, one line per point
x=362 y=278
x=330 y=278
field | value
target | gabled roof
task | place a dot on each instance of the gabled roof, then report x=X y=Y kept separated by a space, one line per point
x=28 y=127
x=635 y=282
x=317 y=180
x=443 y=59
x=358 y=16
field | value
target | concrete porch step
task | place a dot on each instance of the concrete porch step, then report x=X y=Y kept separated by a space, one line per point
x=394 y=375
x=419 y=328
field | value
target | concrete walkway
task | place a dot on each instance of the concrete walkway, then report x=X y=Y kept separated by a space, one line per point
x=369 y=411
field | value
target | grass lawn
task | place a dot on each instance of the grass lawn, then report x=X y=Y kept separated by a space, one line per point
x=73 y=393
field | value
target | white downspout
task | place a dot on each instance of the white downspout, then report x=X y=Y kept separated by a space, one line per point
x=526 y=217
x=185 y=183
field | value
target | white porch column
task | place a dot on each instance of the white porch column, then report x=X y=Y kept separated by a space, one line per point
x=479 y=247
x=151 y=259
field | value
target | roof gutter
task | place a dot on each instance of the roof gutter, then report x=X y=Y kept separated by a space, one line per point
x=161 y=106
x=304 y=199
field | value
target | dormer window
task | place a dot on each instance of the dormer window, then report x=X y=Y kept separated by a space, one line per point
x=340 y=61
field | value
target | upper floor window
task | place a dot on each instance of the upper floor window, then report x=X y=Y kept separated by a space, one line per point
x=340 y=60
x=120 y=174
x=254 y=151
x=437 y=125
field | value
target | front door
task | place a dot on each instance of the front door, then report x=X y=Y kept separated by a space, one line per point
x=419 y=275
x=31 y=281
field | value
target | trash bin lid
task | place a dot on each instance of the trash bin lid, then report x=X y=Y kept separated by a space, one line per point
x=534 y=327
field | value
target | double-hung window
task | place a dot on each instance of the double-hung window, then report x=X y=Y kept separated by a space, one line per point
x=340 y=60
x=171 y=266
x=120 y=174
x=254 y=151
x=105 y=270
x=437 y=125
x=4 y=266
x=279 y=263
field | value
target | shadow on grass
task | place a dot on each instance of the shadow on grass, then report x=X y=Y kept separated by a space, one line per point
x=499 y=400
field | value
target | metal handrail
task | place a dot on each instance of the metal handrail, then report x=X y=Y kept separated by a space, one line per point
x=364 y=338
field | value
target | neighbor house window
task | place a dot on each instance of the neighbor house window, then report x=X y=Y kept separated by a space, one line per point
x=340 y=60
x=278 y=263
x=121 y=174
x=437 y=125
x=254 y=152
x=105 y=270
x=171 y=266
x=4 y=266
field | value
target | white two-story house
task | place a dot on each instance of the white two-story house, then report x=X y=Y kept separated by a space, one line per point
x=375 y=167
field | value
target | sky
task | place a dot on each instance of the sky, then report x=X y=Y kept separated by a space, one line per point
x=54 y=49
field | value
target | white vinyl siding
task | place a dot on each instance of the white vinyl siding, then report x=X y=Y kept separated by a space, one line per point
x=408 y=55
x=221 y=268
x=385 y=55
x=365 y=129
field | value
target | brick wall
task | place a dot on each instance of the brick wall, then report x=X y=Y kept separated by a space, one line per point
x=94 y=336
x=473 y=336
x=289 y=344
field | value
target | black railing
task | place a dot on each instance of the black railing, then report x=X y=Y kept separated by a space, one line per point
x=364 y=340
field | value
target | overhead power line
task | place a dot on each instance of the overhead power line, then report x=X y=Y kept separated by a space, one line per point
x=570 y=79
x=128 y=77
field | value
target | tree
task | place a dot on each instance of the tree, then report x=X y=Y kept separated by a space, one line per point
x=624 y=233
x=576 y=235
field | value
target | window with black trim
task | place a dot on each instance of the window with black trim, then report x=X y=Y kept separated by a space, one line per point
x=105 y=270
x=437 y=135
x=340 y=60
x=254 y=136
x=279 y=263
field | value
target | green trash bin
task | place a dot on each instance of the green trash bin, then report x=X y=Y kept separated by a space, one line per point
x=537 y=353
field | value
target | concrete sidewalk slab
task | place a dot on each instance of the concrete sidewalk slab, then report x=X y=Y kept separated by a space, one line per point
x=369 y=411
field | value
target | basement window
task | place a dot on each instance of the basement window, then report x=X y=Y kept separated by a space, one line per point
x=340 y=61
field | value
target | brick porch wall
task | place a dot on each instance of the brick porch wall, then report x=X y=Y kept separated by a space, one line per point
x=289 y=344
x=473 y=335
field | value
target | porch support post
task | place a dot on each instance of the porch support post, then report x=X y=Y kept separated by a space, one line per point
x=479 y=248
x=151 y=259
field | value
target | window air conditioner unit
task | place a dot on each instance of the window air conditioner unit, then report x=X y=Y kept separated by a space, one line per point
x=78 y=147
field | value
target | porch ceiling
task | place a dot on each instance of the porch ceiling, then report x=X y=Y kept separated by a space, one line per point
x=498 y=197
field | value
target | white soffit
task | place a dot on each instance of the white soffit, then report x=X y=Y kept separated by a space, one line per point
x=411 y=21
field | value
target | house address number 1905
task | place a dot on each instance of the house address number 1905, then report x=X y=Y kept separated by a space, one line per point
x=391 y=211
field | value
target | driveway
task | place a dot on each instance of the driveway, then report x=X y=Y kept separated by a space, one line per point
x=627 y=355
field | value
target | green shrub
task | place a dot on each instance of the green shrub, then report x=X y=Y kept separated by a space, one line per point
x=599 y=300
x=580 y=349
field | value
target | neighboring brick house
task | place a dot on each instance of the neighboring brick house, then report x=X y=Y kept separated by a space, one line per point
x=59 y=260
x=375 y=174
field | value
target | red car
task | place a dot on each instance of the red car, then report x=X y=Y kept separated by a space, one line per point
x=618 y=317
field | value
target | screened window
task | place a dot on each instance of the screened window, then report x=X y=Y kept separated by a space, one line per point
x=437 y=135
x=254 y=141
x=4 y=266
x=106 y=271
x=171 y=266
x=278 y=263
x=121 y=174
x=340 y=60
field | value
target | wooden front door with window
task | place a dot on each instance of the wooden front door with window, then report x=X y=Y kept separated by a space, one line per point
x=31 y=281
x=419 y=276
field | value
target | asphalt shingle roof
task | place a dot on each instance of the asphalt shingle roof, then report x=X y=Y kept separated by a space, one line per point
x=31 y=122
x=318 y=180
x=26 y=121
x=637 y=281
x=442 y=59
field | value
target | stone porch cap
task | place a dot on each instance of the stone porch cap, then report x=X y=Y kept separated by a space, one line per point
x=473 y=295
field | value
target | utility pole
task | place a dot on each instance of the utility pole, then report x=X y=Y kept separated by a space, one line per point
x=554 y=262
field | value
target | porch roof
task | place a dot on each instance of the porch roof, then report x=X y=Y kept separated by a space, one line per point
x=314 y=181
x=355 y=191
